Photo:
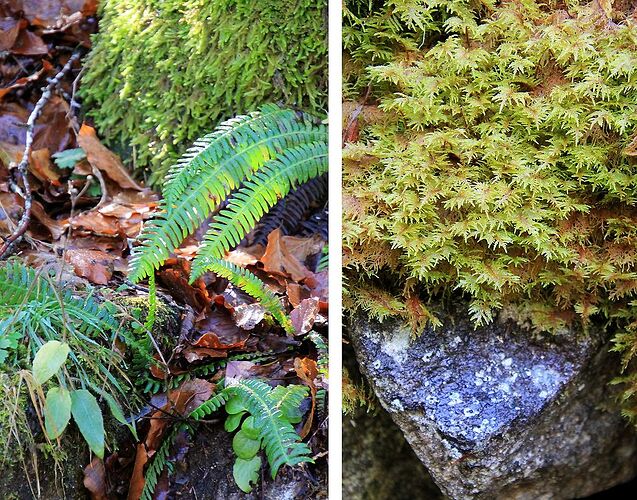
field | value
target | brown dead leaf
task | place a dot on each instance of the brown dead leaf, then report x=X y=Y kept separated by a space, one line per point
x=192 y=354
x=9 y=31
x=211 y=340
x=307 y=370
x=12 y=120
x=278 y=259
x=304 y=315
x=95 y=479
x=55 y=227
x=42 y=167
x=52 y=130
x=96 y=223
x=29 y=44
x=248 y=316
x=49 y=12
x=94 y=265
x=176 y=279
x=302 y=247
x=137 y=479
x=102 y=158
x=21 y=82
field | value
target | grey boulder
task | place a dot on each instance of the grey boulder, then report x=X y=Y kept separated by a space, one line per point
x=497 y=413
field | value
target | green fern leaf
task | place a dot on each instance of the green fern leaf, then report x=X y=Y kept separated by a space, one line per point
x=218 y=164
x=254 y=287
x=279 y=439
x=247 y=206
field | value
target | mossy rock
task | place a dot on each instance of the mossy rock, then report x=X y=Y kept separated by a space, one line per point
x=163 y=73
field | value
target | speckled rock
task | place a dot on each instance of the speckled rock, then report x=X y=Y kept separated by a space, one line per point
x=495 y=413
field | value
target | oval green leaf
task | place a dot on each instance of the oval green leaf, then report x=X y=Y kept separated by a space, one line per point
x=48 y=360
x=246 y=472
x=245 y=447
x=233 y=421
x=57 y=411
x=88 y=417
x=250 y=430
x=235 y=405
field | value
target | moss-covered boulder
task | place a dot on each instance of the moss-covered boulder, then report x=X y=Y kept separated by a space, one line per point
x=162 y=73
x=498 y=160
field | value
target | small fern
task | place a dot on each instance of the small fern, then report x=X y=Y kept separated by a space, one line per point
x=265 y=417
x=259 y=158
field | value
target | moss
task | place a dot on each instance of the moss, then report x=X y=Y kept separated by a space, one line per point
x=162 y=73
x=504 y=168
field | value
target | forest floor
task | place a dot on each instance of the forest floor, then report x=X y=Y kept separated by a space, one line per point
x=71 y=204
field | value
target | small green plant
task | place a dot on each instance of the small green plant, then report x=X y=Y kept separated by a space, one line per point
x=264 y=417
x=62 y=336
x=253 y=161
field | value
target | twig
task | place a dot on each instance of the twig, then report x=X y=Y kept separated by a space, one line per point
x=22 y=167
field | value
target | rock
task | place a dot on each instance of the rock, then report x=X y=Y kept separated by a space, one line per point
x=497 y=413
x=377 y=461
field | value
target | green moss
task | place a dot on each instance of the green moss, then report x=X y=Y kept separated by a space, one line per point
x=162 y=73
x=502 y=166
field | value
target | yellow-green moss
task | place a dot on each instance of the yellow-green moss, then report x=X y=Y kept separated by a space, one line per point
x=162 y=73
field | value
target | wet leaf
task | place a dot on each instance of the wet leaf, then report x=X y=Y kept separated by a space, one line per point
x=244 y=446
x=94 y=265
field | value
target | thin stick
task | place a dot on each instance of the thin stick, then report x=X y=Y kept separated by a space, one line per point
x=22 y=167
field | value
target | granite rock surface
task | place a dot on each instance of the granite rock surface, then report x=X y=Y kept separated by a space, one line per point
x=499 y=413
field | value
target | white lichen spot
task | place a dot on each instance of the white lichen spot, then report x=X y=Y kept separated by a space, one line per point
x=396 y=405
x=396 y=345
x=543 y=394
x=507 y=362
x=454 y=399
x=470 y=412
x=376 y=364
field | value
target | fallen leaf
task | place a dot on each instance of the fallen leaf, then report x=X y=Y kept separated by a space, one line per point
x=29 y=44
x=278 y=259
x=192 y=354
x=12 y=123
x=307 y=371
x=102 y=158
x=304 y=315
x=42 y=168
x=95 y=479
x=55 y=227
x=239 y=370
x=94 y=265
x=211 y=340
x=248 y=316
x=96 y=223
x=176 y=278
x=137 y=479
x=48 y=12
x=52 y=130
x=9 y=31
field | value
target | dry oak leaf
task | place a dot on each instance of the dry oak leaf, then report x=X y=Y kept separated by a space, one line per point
x=103 y=159
x=278 y=259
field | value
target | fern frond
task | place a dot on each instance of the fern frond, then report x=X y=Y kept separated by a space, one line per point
x=278 y=437
x=254 y=287
x=251 y=202
x=211 y=170
x=210 y=406
x=159 y=463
